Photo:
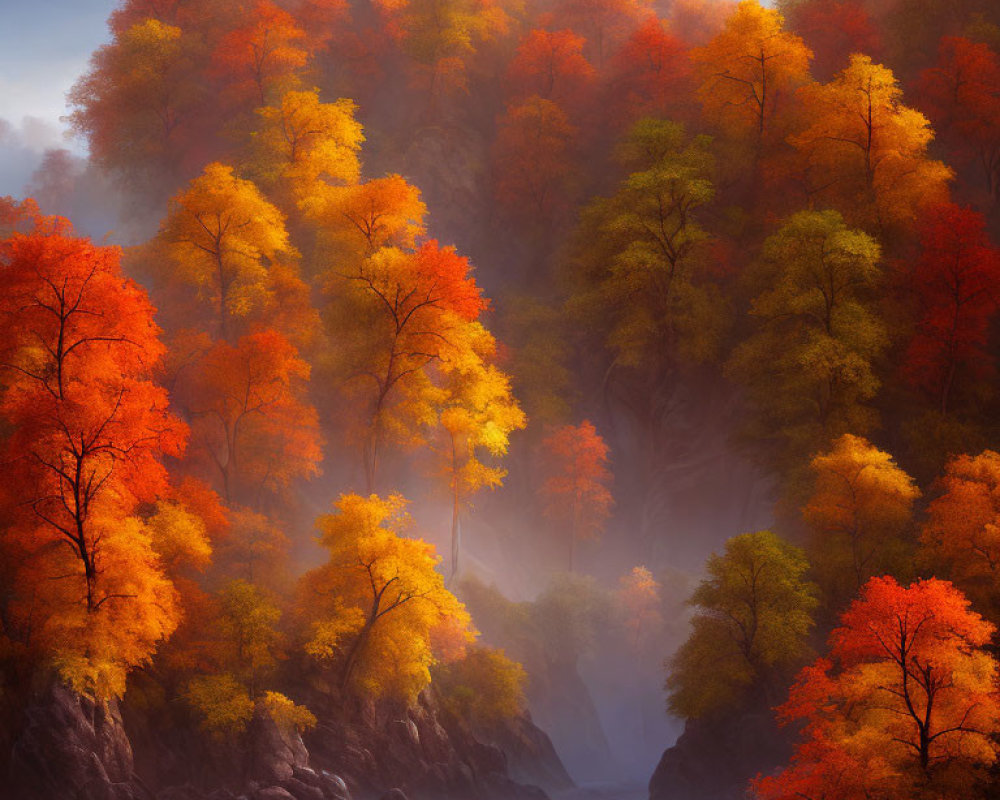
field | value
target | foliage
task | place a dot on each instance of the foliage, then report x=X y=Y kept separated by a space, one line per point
x=370 y=610
x=485 y=686
x=748 y=73
x=860 y=510
x=903 y=707
x=640 y=272
x=866 y=151
x=222 y=703
x=809 y=366
x=753 y=617
x=575 y=490
x=959 y=537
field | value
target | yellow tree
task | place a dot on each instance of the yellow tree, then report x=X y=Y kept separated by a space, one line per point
x=475 y=421
x=962 y=531
x=396 y=315
x=371 y=610
x=302 y=141
x=220 y=236
x=749 y=72
x=859 y=511
x=866 y=151
x=356 y=220
x=244 y=649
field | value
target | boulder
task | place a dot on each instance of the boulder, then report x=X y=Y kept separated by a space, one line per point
x=74 y=748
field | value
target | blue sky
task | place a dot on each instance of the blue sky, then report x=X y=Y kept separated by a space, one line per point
x=44 y=47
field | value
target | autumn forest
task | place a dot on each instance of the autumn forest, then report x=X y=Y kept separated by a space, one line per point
x=508 y=400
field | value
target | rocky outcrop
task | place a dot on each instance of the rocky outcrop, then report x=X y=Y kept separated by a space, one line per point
x=427 y=755
x=72 y=748
x=530 y=755
x=714 y=758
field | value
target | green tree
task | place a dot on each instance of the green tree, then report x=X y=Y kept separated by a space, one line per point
x=754 y=612
x=808 y=363
x=638 y=273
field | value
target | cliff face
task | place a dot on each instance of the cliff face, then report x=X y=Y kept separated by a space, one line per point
x=715 y=757
x=72 y=748
x=429 y=753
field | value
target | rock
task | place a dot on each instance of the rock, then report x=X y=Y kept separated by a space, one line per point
x=75 y=748
x=302 y=791
x=332 y=787
x=394 y=794
x=715 y=757
x=530 y=755
x=272 y=793
x=273 y=753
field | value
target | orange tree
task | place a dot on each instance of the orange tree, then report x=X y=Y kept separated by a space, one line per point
x=85 y=428
x=904 y=706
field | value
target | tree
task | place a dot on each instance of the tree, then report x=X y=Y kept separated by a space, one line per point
x=262 y=58
x=302 y=141
x=476 y=418
x=245 y=646
x=961 y=95
x=532 y=159
x=441 y=36
x=748 y=73
x=355 y=221
x=650 y=75
x=85 y=431
x=961 y=536
x=220 y=237
x=754 y=614
x=575 y=491
x=551 y=65
x=904 y=706
x=140 y=102
x=397 y=314
x=639 y=275
x=602 y=23
x=834 y=31
x=371 y=608
x=867 y=150
x=808 y=367
x=250 y=419
x=860 y=511
x=957 y=281
x=484 y=686
x=639 y=598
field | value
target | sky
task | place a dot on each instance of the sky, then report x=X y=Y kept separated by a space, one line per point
x=44 y=46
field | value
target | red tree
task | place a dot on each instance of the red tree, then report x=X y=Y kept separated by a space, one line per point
x=957 y=280
x=551 y=65
x=961 y=95
x=259 y=60
x=84 y=428
x=575 y=491
x=906 y=701
x=649 y=76
x=249 y=417
x=88 y=423
x=834 y=31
